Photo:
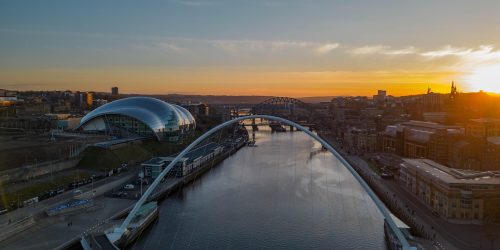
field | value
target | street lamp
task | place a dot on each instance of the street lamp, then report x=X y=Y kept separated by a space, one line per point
x=105 y=175
x=141 y=176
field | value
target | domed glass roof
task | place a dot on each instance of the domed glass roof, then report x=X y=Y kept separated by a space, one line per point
x=160 y=116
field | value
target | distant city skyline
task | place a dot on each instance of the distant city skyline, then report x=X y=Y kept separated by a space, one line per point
x=275 y=48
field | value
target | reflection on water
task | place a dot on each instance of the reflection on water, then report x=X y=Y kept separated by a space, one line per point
x=283 y=194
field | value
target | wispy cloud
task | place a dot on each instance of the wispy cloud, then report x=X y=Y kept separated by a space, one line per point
x=327 y=47
x=466 y=57
x=405 y=51
x=241 y=45
x=382 y=50
x=194 y=3
x=172 y=47
x=448 y=51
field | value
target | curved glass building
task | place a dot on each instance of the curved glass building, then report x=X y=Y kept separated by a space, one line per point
x=140 y=116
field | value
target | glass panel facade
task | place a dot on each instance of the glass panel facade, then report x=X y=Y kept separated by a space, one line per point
x=144 y=116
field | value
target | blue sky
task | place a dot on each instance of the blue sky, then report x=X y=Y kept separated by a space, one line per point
x=198 y=46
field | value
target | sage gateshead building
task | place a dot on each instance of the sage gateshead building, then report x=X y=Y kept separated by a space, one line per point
x=140 y=116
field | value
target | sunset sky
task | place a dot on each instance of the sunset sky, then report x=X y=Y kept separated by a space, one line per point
x=250 y=47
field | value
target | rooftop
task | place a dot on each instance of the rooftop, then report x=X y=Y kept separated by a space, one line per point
x=154 y=161
x=190 y=156
x=420 y=130
x=494 y=140
x=428 y=125
x=198 y=151
x=448 y=175
x=486 y=120
x=418 y=135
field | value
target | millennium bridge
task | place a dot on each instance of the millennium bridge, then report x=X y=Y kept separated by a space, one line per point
x=120 y=231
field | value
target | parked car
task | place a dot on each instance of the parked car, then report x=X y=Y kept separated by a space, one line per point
x=3 y=210
x=120 y=194
x=387 y=175
x=129 y=186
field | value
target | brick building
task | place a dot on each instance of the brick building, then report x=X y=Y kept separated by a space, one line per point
x=454 y=194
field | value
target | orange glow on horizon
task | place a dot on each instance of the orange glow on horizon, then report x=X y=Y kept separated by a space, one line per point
x=242 y=82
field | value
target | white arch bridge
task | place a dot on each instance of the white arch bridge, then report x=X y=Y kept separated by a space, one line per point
x=119 y=231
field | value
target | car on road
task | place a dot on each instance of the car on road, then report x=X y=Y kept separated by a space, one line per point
x=3 y=210
x=120 y=194
x=129 y=186
x=387 y=175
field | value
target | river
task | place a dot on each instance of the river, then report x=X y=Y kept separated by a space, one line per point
x=284 y=194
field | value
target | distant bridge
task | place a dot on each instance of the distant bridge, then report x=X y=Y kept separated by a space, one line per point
x=285 y=107
x=273 y=125
x=119 y=231
x=281 y=103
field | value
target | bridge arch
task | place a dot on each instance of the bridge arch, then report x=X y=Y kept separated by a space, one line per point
x=118 y=232
x=288 y=102
x=281 y=99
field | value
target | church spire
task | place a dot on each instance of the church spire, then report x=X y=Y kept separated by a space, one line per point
x=453 y=92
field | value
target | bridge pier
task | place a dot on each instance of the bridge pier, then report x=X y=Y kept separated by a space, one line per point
x=254 y=126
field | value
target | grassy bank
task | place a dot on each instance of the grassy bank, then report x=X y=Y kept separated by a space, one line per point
x=100 y=159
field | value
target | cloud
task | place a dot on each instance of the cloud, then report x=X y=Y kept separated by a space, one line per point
x=234 y=46
x=160 y=46
x=381 y=50
x=172 y=47
x=447 y=51
x=406 y=51
x=193 y=3
x=241 y=45
x=327 y=47
x=368 y=50
x=466 y=58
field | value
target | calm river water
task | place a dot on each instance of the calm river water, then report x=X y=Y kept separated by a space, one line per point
x=284 y=194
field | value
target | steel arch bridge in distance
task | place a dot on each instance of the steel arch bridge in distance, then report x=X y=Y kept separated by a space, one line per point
x=280 y=103
x=292 y=109
x=119 y=231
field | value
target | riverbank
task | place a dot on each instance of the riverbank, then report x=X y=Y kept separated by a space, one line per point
x=444 y=234
x=170 y=185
